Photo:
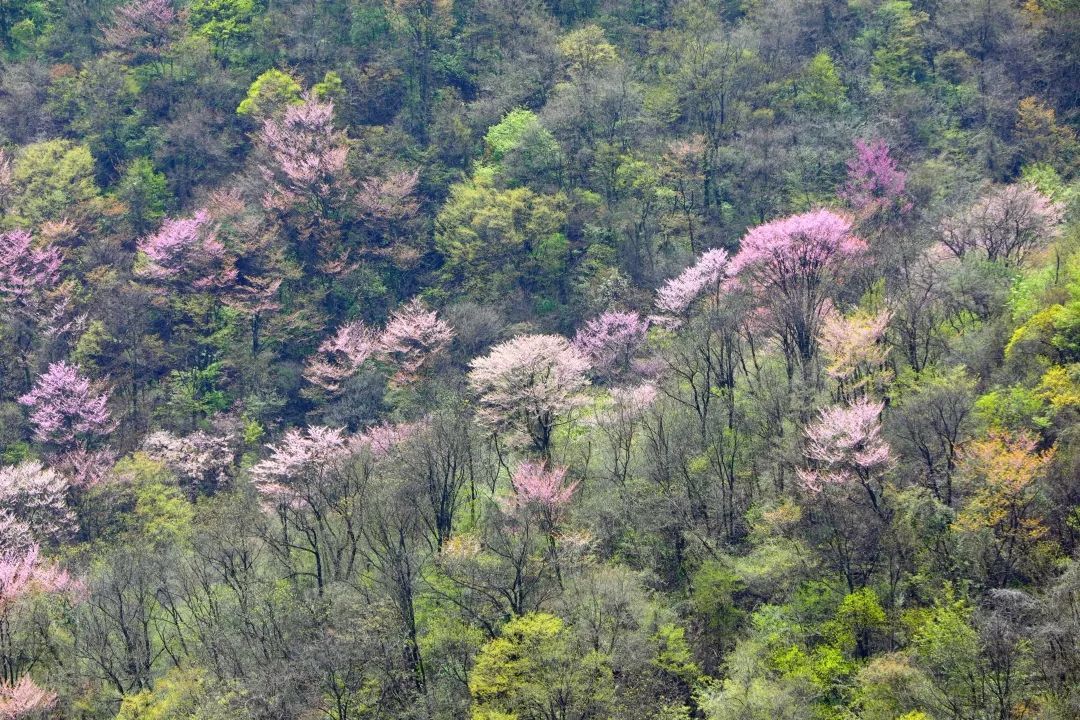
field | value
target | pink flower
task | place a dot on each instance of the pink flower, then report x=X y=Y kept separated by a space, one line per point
x=340 y=356
x=873 y=179
x=845 y=444
x=1005 y=224
x=678 y=293
x=64 y=407
x=24 y=699
x=535 y=484
x=380 y=440
x=413 y=335
x=790 y=266
x=527 y=386
x=610 y=340
x=186 y=251
x=37 y=496
x=26 y=272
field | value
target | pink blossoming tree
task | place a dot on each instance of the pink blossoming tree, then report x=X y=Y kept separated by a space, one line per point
x=66 y=409
x=307 y=154
x=299 y=454
x=528 y=386
x=201 y=462
x=412 y=337
x=1005 y=224
x=790 y=267
x=23 y=699
x=874 y=181
x=26 y=272
x=24 y=574
x=676 y=296
x=535 y=484
x=142 y=27
x=610 y=340
x=186 y=253
x=340 y=356
x=390 y=198
x=844 y=446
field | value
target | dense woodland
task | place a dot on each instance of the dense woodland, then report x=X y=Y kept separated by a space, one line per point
x=540 y=359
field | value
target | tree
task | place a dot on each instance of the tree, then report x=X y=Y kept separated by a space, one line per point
x=533 y=671
x=187 y=254
x=27 y=272
x=24 y=699
x=65 y=408
x=856 y=350
x=537 y=486
x=142 y=27
x=844 y=445
x=528 y=386
x=1006 y=224
x=849 y=509
x=792 y=267
x=307 y=180
x=610 y=340
x=23 y=574
x=340 y=356
x=1000 y=477
x=37 y=496
x=873 y=181
x=269 y=95
x=501 y=243
x=412 y=337
x=53 y=180
x=677 y=294
x=202 y=462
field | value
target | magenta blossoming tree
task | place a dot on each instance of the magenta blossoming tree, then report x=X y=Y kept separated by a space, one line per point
x=1005 y=224
x=610 y=340
x=874 y=181
x=380 y=440
x=791 y=266
x=340 y=356
x=844 y=445
x=186 y=253
x=528 y=386
x=412 y=337
x=37 y=496
x=676 y=296
x=66 y=409
x=26 y=272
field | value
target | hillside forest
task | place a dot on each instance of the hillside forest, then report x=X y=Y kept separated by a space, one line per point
x=539 y=360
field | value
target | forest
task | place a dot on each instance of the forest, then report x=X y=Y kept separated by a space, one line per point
x=539 y=359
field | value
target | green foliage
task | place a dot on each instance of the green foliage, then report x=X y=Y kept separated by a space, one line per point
x=145 y=192
x=504 y=136
x=270 y=94
x=181 y=694
x=821 y=87
x=497 y=243
x=52 y=179
x=532 y=667
x=224 y=22
x=897 y=42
